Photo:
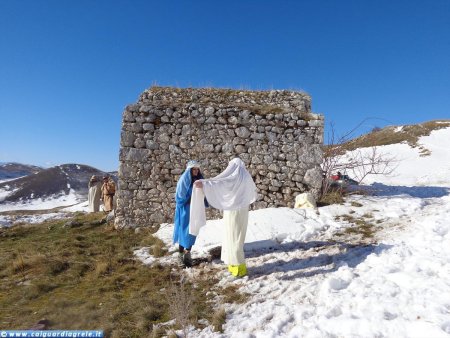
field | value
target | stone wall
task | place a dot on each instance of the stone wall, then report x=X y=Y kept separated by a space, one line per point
x=273 y=132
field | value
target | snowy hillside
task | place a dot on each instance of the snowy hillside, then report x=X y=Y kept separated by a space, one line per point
x=46 y=194
x=414 y=168
x=376 y=266
x=10 y=171
x=49 y=188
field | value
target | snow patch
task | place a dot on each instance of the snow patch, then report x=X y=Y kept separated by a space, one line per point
x=307 y=280
x=304 y=281
x=43 y=203
x=7 y=220
x=144 y=256
x=4 y=193
x=412 y=169
x=83 y=207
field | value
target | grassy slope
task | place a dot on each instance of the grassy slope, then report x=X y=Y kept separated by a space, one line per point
x=409 y=134
x=85 y=277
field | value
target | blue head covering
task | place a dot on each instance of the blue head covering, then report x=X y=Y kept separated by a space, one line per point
x=182 y=208
x=184 y=185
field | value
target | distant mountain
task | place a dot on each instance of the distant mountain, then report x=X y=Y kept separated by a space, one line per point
x=10 y=171
x=50 y=182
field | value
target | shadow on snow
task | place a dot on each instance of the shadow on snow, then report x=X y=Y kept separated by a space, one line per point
x=310 y=265
x=380 y=189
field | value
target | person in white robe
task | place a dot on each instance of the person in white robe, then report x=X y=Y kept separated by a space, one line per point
x=94 y=194
x=231 y=191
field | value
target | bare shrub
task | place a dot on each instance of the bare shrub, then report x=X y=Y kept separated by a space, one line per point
x=159 y=249
x=333 y=196
x=181 y=300
x=219 y=319
x=358 y=162
x=102 y=268
x=172 y=334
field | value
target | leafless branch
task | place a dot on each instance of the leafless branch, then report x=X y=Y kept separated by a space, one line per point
x=359 y=162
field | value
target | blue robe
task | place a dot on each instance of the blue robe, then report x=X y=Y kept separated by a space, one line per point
x=182 y=208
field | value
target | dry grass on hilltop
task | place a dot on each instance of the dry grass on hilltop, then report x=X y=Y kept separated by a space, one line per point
x=392 y=135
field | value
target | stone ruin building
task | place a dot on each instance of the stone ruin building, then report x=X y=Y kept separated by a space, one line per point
x=274 y=132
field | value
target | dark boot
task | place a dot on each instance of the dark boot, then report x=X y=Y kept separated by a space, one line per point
x=181 y=260
x=187 y=260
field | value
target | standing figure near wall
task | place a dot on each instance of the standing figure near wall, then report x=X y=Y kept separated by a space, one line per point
x=231 y=191
x=182 y=209
x=94 y=194
x=108 y=192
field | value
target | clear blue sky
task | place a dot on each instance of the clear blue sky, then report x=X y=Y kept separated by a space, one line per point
x=68 y=68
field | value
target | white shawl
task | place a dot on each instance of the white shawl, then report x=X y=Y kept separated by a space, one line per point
x=232 y=189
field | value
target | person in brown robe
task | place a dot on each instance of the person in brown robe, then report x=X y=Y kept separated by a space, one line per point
x=108 y=191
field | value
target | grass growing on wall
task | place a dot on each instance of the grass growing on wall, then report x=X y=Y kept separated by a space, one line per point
x=230 y=98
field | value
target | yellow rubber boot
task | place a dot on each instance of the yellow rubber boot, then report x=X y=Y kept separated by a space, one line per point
x=238 y=270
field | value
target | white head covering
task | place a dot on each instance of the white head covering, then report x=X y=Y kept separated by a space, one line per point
x=233 y=189
x=193 y=164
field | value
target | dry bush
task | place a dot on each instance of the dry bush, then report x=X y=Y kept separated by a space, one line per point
x=172 y=334
x=157 y=332
x=333 y=196
x=159 y=248
x=219 y=319
x=57 y=266
x=39 y=289
x=21 y=264
x=359 y=227
x=359 y=163
x=232 y=295
x=181 y=301
x=102 y=268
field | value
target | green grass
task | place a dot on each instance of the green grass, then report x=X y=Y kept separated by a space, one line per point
x=87 y=278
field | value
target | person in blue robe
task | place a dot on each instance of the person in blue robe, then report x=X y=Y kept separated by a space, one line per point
x=182 y=209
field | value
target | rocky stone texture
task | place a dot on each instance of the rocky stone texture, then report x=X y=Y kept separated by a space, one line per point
x=273 y=132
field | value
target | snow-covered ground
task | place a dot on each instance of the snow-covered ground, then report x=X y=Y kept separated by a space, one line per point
x=414 y=169
x=10 y=179
x=42 y=204
x=5 y=193
x=308 y=277
x=54 y=205
x=6 y=221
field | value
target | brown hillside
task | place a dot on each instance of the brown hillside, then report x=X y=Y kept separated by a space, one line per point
x=393 y=134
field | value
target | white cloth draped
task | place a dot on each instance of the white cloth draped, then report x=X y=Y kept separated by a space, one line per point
x=233 y=189
x=235 y=222
x=94 y=195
